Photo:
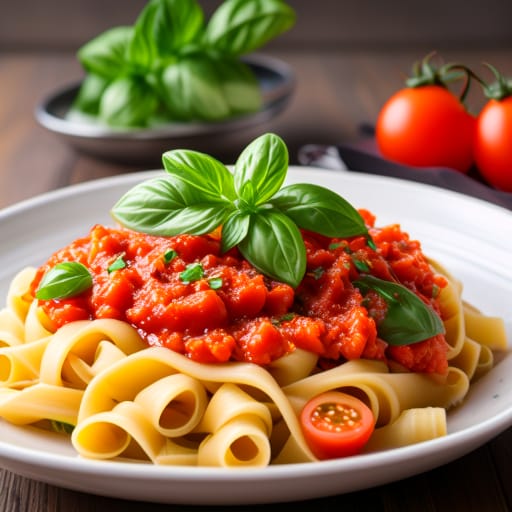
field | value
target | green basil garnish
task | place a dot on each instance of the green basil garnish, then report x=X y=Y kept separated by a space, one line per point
x=361 y=265
x=66 y=279
x=169 y=255
x=61 y=427
x=408 y=319
x=276 y=322
x=118 y=264
x=258 y=215
x=317 y=273
x=215 y=283
x=193 y=272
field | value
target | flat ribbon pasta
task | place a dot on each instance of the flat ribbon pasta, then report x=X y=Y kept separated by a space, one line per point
x=132 y=401
x=125 y=379
x=80 y=340
x=40 y=402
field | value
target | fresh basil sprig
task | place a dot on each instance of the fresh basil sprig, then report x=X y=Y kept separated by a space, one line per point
x=64 y=280
x=408 y=319
x=173 y=64
x=256 y=213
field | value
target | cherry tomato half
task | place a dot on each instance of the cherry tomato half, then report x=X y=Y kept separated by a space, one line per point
x=336 y=425
x=493 y=143
x=426 y=126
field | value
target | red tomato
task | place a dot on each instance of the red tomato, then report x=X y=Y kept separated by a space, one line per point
x=336 y=425
x=493 y=143
x=426 y=126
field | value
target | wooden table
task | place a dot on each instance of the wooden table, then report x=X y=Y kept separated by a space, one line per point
x=336 y=92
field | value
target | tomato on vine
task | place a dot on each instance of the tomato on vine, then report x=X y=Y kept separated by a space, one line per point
x=493 y=135
x=336 y=425
x=425 y=124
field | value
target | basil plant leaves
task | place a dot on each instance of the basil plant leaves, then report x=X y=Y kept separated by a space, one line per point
x=173 y=64
x=256 y=213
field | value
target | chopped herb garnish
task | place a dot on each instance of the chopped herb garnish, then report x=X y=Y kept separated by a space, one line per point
x=215 y=283
x=317 y=273
x=284 y=318
x=193 y=272
x=169 y=255
x=343 y=244
x=118 y=264
x=361 y=265
x=370 y=243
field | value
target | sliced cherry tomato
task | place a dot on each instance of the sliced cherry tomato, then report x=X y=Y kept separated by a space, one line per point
x=336 y=425
x=425 y=124
x=493 y=136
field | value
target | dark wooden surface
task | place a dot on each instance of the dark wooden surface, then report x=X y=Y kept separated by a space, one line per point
x=338 y=89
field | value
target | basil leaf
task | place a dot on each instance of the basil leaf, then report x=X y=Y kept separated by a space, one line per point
x=247 y=196
x=239 y=27
x=167 y=207
x=234 y=230
x=191 y=89
x=89 y=95
x=240 y=87
x=64 y=280
x=162 y=28
x=142 y=50
x=105 y=55
x=196 y=219
x=61 y=427
x=275 y=247
x=201 y=172
x=127 y=102
x=408 y=319
x=263 y=163
x=320 y=210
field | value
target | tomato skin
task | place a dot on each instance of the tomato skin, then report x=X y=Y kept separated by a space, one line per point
x=426 y=126
x=331 y=432
x=493 y=143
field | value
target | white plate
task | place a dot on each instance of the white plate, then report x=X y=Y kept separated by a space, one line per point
x=471 y=237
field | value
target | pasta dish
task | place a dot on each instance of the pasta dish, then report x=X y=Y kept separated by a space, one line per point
x=179 y=350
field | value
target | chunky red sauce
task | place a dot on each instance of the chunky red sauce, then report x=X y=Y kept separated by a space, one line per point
x=233 y=312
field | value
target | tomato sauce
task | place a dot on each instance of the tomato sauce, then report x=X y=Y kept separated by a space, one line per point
x=231 y=312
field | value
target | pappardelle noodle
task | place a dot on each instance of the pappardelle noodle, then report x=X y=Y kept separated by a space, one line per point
x=202 y=342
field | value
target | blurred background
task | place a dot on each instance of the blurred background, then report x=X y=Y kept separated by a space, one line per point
x=347 y=25
x=348 y=57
